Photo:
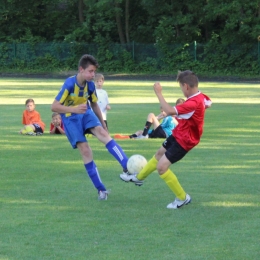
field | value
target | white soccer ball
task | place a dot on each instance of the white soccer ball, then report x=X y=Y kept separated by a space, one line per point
x=136 y=163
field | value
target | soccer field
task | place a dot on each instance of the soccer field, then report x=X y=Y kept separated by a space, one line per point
x=49 y=208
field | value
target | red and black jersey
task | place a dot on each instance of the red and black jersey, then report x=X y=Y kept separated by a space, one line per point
x=191 y=120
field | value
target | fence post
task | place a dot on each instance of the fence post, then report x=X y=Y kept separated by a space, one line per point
x=258 y=38
x=133 y=50
x=195 y=50
x=14 y=50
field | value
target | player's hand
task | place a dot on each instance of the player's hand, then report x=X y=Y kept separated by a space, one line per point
x=157 y=88
x=80 y=109
x=163 y=114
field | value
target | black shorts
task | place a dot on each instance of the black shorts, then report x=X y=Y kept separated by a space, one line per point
x=38 y=129
x=174 y=152
x=157 y=133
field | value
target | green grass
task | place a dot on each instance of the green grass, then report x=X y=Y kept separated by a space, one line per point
x=49 y=208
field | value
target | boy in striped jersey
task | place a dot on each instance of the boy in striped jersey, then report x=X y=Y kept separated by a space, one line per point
x=72 y=102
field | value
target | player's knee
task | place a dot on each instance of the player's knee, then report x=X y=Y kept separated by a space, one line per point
x=100 y=130
x=85 y=150
x=151 y=115
x=159 y=155
x=161 y=168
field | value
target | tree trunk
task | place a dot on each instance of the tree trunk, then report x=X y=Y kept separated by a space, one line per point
x=127 y=21
x=81 y=9
x=119 y=23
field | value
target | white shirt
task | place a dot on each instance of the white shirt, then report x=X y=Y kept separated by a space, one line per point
x=102 y=102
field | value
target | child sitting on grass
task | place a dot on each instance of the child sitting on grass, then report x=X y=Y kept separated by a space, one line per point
x=31 y=120
x=56 y=126
x=160 y=130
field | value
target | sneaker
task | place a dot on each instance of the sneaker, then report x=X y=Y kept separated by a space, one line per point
x=142 y=137
x=39 y=133
x=103 y=194
x=31 y=133
x=118 y=136
x=125 y=176
x=177 y=203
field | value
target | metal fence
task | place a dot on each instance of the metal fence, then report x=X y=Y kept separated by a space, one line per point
x=27 y=53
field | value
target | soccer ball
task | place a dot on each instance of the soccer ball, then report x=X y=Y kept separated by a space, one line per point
x=136 y=163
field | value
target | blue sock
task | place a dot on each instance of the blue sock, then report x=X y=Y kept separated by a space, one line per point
x=94 y=175
x=117 y=152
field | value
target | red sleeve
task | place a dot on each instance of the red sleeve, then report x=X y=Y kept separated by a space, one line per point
x=207 y=101
x=187 y=108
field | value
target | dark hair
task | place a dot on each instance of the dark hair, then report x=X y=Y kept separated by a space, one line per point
x=188 y=77
x=29 y=100
x=87 y=60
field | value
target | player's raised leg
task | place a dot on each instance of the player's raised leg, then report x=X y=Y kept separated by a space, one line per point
x=146 y=171
x=139 y=177
x=112 y=146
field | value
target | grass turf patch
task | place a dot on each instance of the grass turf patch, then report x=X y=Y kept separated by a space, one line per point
x=49 y=207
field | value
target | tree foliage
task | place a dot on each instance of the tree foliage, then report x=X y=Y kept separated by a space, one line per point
x=218 y=24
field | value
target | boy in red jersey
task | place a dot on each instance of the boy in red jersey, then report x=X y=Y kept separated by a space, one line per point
x=185 y=136
x=31 y=120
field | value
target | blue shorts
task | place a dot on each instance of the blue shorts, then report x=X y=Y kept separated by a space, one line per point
x=77 y=125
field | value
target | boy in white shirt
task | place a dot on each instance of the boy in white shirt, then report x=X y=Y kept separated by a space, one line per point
x=102 y=95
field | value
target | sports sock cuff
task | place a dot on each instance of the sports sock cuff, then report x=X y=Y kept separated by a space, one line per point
x=117 y=152
x=154 y=160
x=166 y=174
x=148 y=169
x=110 y=144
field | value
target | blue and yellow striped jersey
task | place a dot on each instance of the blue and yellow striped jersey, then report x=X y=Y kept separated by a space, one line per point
x=71 y=94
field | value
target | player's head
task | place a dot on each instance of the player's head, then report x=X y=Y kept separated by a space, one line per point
x=99 y=76
x=188 y=82
x=87 y=60
x=99 y=80
x=87 y=67
x=56 y=118
x=29 y=104
x=180 y=101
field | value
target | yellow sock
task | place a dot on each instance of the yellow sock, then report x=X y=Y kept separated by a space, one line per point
x=29 y=129
x=23 y=132
x=171 y=180
x=148 y=169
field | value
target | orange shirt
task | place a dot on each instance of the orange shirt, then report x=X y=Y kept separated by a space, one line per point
x=33 y=117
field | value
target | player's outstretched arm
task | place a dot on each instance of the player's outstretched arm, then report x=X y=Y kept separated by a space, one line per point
x=168 y=109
